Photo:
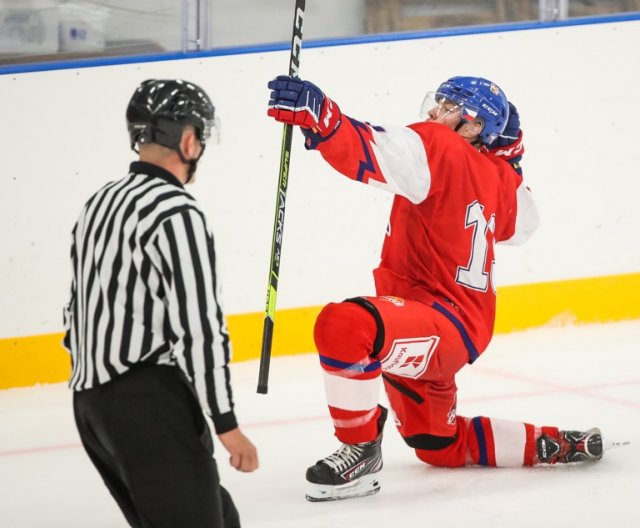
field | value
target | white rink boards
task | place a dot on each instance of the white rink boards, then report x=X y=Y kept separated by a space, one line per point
x=572 y=86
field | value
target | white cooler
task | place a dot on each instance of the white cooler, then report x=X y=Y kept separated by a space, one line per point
x=28 y=27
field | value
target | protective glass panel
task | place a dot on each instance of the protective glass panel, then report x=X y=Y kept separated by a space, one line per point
x=44 y=30
x=238 y=22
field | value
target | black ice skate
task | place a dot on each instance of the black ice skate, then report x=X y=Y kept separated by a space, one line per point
x=572 y=446
x=352 y=471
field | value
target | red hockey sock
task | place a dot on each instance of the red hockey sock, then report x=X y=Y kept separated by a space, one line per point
x=344 y=335
x=488 y=442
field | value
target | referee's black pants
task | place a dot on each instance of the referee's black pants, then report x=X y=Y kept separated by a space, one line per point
x=145 y=433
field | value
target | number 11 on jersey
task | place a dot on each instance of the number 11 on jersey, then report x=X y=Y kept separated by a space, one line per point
x=474 y=275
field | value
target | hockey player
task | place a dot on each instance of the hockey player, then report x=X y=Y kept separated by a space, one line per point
x=458 y=191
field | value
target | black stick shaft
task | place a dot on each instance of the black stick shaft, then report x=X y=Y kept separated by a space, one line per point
x=278 y=224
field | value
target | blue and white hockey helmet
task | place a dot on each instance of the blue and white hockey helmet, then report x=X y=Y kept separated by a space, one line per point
x=477 y=98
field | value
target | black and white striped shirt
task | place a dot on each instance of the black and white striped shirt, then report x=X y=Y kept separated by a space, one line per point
x=145 y=288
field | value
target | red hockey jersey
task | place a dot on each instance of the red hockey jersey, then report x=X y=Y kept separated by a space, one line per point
x=452 y=204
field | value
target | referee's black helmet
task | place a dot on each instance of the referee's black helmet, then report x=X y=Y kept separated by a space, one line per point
x=159 y=110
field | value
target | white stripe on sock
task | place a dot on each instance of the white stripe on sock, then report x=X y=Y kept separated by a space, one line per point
x=351 y=394
x=510 y=439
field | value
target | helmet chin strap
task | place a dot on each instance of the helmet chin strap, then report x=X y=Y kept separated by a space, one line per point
x=459 y=125
x=476 y=142
x=192 y=163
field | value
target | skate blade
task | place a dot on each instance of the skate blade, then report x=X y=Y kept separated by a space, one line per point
x=361 y=487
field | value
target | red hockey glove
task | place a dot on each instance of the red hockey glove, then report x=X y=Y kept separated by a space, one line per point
x=301 y=103
x=508 y=145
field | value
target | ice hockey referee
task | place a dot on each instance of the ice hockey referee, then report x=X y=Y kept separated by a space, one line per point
x=145 y=328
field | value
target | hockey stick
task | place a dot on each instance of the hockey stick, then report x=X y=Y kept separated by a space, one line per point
x=278 y=224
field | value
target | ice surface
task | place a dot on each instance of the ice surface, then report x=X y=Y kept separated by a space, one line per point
x=574 y=377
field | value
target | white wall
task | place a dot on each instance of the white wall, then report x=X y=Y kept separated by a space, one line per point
x=64 y=135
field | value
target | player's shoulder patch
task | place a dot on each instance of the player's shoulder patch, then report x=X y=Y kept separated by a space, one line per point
x=393 y=300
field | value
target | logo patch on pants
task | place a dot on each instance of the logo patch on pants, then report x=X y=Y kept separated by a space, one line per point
x=409 y=358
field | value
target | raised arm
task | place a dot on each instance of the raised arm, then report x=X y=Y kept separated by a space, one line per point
x=392 y=159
